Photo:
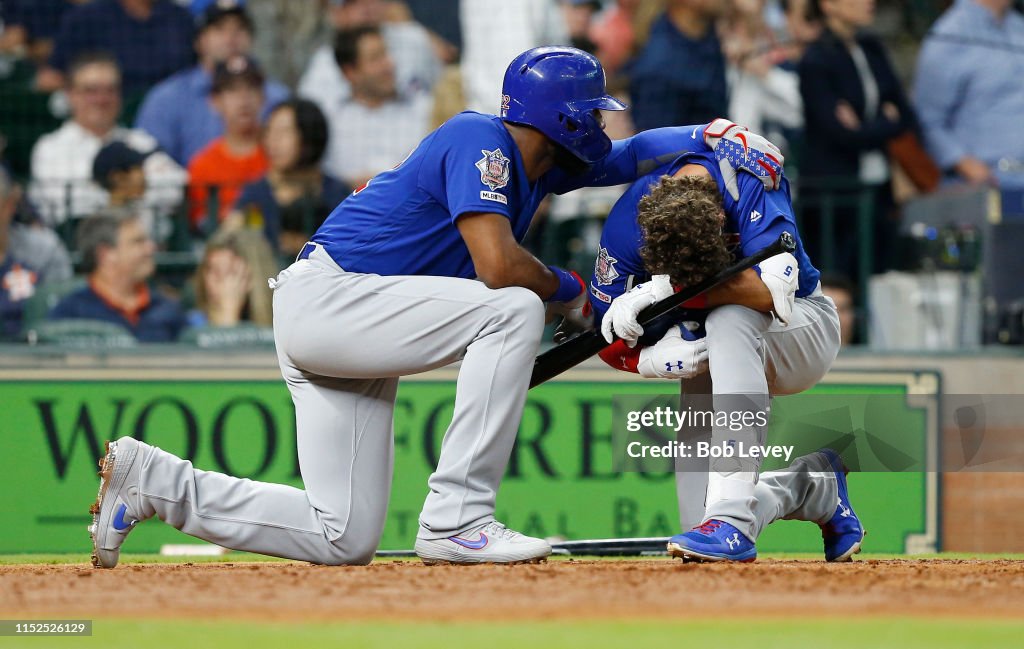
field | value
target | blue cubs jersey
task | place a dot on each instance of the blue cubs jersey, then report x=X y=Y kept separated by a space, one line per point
x=403 y=221
x=758 y=218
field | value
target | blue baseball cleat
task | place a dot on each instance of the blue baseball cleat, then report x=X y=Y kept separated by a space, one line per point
x=713 y=541
x=842 y=534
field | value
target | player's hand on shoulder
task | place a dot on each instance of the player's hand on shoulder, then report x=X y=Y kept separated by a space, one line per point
x=737 y=149
x=577 y=314
x=621 y=319
x=674 y=357
x=781 y=274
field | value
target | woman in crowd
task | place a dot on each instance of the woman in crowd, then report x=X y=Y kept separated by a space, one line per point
x=295 y=139
x=231 y=284
x=854 y=108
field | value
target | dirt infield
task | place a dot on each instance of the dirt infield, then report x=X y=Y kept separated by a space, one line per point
x=402 y=590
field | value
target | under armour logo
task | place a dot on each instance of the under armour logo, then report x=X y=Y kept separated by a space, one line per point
x=844 y=510
x=734 y=541
x=678 y=366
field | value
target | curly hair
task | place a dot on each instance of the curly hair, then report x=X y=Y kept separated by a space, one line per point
x=682 y=220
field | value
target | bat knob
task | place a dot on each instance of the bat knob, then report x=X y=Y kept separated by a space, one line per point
x=788 y=241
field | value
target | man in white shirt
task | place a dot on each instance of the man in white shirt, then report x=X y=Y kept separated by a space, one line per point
x=417 y=67
x=62 y=185
x=376 y=128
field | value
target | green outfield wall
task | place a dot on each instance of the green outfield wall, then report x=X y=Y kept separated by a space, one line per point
x=560 y=481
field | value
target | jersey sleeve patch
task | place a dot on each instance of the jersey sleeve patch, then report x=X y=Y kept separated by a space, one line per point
x=494 y=169
x=604 y=268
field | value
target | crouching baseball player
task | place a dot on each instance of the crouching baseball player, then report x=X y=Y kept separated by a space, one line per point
x=769 y=331
x=388 y=287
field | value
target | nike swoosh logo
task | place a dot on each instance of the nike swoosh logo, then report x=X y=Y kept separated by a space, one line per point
x=478 y=544
x=120 y=524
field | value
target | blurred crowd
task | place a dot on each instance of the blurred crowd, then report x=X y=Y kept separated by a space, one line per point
x=162 y=158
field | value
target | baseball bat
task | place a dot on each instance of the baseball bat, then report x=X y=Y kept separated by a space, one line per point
x=578 y=349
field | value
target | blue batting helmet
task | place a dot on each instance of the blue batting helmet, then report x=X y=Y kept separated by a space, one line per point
x=556 y=91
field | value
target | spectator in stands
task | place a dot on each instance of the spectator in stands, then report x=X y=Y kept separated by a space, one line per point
x=679 y=77
x=854 y=107
x=441 y=19
x=118 y=257
x=494 y=33
x=614 y=35
x=118 y=168
x=763 y=79
x=840 y=289
x=968 y=75
x=417 y=67
x=231 y=161
x=62 y=161
x=376 y=128
x=579 y=19
x=151 y=40
x=231 y=283
x=31 y=25
x=30 y=255
x=177 y=112
x=295 y=140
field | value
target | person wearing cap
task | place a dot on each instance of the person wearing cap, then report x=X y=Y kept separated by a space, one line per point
x=417 y=269
x=62 y=161
x=218 y=172
x=118 y=168
x=177 y=111
x=150 y=39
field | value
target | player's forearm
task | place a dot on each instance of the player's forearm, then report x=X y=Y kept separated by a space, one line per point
x=517 y=267
x=746 y=289
x=638 y=155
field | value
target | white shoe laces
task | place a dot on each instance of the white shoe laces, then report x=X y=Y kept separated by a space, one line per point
x=498 y=530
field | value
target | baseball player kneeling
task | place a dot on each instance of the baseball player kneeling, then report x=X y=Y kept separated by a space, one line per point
x=419 y=268
x=769 y=331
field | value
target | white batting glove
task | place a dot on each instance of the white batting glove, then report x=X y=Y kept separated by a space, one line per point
x=737 y=148
x=621 y=318
x=781 y=275
x=673 y=357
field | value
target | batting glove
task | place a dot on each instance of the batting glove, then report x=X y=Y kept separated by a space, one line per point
x=673 y=357
x=781 y=275
x=737 y=148
x=621 y=318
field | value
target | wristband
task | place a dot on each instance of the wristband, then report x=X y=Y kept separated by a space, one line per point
x=570 y=285
x=621 y=357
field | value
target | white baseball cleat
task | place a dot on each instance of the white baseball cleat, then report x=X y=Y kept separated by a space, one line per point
x=488 y=543
x=115 y=512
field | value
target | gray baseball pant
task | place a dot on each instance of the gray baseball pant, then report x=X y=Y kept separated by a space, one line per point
x=343 y=339
x=751 y=357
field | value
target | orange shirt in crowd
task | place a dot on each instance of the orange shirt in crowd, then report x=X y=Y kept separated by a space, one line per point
x=216 y=165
